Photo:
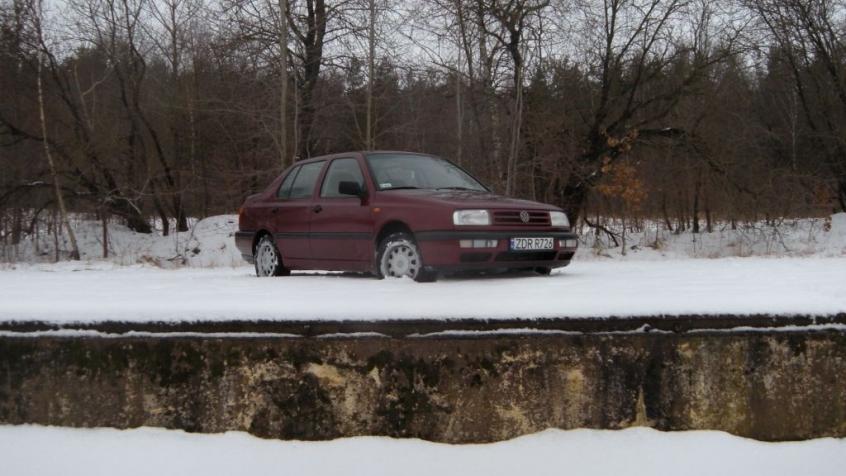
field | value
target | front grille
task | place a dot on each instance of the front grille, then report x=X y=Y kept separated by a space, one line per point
x=526 y=256
x=512 y=218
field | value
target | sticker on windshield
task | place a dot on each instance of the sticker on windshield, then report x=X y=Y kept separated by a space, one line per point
x=385 y=185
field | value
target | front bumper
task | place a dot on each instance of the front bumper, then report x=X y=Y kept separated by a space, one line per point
x=244 y=243
x=442 y=252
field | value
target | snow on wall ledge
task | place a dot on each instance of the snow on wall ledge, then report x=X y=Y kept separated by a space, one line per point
x=766 y=385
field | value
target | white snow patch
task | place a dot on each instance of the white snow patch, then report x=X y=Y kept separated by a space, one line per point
x=353 y=335
x=534 y=331
x=84 y=293
x=46 y=451
x=821 y=237
x=208 y=243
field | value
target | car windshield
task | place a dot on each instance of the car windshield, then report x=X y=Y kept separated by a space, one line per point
x=405 y=171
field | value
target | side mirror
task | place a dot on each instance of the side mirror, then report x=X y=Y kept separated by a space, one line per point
x=350 y=188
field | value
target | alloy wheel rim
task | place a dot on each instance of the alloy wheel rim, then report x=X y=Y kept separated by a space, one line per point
x=401 y=260
x=267 y=259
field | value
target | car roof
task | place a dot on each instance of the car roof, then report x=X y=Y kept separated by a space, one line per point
x=358 y=153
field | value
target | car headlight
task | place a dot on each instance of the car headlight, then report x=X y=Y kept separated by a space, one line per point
x=559 y=219
x=471 y=217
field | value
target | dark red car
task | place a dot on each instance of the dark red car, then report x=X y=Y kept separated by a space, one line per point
x=396 y=214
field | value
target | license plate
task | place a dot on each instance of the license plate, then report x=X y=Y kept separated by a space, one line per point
x=531 y=244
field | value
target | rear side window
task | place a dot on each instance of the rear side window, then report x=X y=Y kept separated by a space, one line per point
x=304 y=182
x=341 y=170
x=285 y=189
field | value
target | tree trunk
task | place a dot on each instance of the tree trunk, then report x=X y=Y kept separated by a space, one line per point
x=306 y=119
x=17 y=225
x=842 y=195
x=105 y=221
x=514 y=147
x=573 y=198
x=283 y=82
x=313 y=45
x=489 y=137
x=369 y=142
x=56 y=228
x=695 y=212
x=157 y=204
x=57 y=187
x=181 y=217
x=459 y=119
x=664 y=211
x=516 y=120
x=708 y=222
x=623 y=238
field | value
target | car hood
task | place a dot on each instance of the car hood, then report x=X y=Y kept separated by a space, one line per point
x=471 y=199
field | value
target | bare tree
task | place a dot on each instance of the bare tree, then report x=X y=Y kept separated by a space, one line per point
x=809 y=35
x=174 y=17
x=81 y=151
x=511 y=20
x=282 y=27
x=371 y=62
x=37 y=17
x=637 y=49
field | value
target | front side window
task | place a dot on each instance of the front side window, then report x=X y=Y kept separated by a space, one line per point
x=403 y=171
x=284 y=191
x=305 y=180
x=341 y=170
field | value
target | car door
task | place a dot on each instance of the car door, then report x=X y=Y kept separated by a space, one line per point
x=291 y=211
x=341 y=225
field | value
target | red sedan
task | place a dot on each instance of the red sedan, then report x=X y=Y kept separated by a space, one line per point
x=396 y=214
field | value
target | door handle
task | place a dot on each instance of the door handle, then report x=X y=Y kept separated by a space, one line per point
x=317 y=209
x=274 y=209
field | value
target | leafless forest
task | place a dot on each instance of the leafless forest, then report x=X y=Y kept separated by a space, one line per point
x=688 y=112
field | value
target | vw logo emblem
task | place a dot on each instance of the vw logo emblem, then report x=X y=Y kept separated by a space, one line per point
x=524 y=216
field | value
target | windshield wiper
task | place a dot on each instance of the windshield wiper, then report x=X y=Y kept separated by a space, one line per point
x=458 y=188
x=404 y=187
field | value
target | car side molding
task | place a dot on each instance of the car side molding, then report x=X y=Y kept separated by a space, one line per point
x=340 y=235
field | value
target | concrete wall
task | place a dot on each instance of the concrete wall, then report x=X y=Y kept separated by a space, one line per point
x=770 y=385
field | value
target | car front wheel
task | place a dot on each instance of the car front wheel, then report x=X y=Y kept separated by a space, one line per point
x=399 y=256
x=268 y=260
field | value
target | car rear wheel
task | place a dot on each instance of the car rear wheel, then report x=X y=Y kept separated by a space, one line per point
x=398 y=256
x=268 y=260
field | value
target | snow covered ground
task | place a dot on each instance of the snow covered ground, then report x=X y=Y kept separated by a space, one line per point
x=79 y=292
x=798 y=267
x=45 y=451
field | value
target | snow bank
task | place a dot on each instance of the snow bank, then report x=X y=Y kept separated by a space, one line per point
x=44 y=451
x=209 y=243
x=791 y=238
x=80 y=292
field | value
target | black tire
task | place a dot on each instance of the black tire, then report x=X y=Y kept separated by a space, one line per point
x=398 y=255
x=268 y=260
x=543 y=270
